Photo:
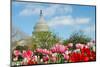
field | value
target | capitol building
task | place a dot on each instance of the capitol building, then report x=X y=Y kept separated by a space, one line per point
x=41 y=35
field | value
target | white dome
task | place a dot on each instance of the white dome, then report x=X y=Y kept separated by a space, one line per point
x=41 y=25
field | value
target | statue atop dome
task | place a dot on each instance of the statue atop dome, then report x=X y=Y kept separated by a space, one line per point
x=40 y=13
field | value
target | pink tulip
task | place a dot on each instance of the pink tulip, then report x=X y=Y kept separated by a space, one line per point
x=17 y=52
x=70 y=45
x=86 y=46
x=66 y=57
x=79 y=46
x=67 y=52
x=53 y=49
x=58 y=48
x=43 y=51
x=39 y=50
x=62 y=49
x=53 y=59
x=90 y=44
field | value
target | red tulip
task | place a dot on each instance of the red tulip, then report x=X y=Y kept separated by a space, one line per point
x=30 y=62
x=86 y=59
x=45 y=58
x=27 y=54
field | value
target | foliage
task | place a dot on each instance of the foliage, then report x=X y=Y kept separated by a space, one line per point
x=77 y=37
x=21 y=48
x=44 y=39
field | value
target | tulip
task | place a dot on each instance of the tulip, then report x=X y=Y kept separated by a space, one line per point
x=45 y=58
x=70 y=45
x=54 y=54
x=66 y=47
x=90 y=44
x=39 y=50
x=53 y=49
x=66 y=57
x=94 y=48
x=15 y=59
x=53 y=59
x=79 y=46
x=44 y=51
x=62 y=49
x=67 y=52
x=17 y=52
x=58 y=48
x=27 y=54
x=30 y=62
x=77 y=50
x=41 y=60
x=34 y=58
x=86 y=59
x=24 y=62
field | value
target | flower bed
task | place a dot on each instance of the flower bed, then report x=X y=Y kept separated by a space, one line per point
x=57 y=54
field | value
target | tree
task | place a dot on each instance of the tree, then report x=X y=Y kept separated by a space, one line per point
x=16 y=36
x=77 y=37
x=44 y=39
x=21 y=48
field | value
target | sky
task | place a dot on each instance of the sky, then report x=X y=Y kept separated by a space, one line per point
x=63 y=19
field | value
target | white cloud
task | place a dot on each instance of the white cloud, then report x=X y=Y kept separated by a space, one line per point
x=68 y=20
x=82 y=20
x=49 y=10
x=28 y=12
